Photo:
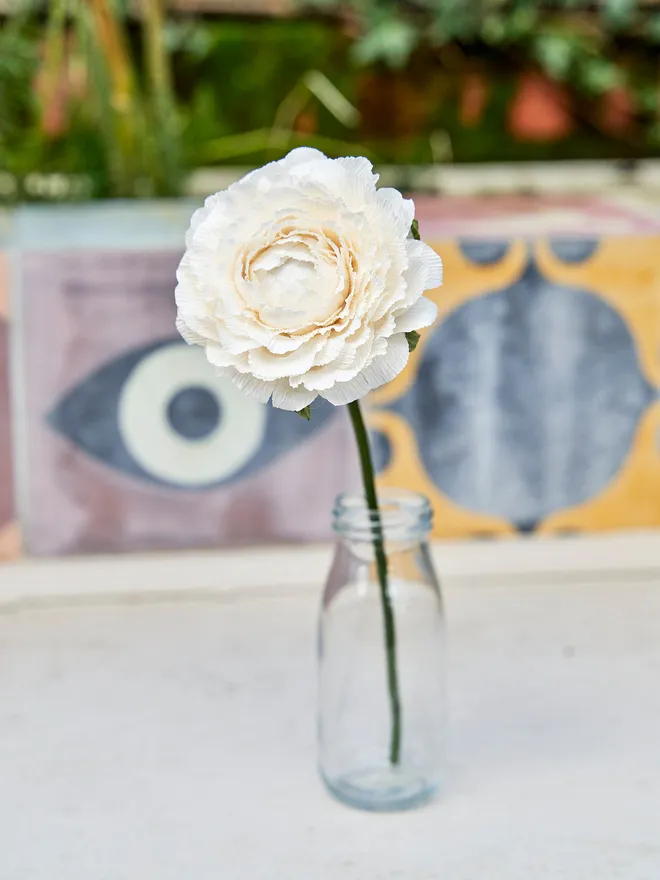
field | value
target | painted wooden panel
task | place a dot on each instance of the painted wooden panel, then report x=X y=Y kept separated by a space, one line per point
x=131 y=441
x=9 y=532
x=532 y=404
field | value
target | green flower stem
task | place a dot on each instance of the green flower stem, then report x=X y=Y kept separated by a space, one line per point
x=381 y=567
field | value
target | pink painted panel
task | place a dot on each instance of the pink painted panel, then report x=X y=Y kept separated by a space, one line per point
x=9 y=540
x=132 y=443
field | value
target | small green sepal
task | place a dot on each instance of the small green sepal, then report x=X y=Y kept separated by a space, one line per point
x=413 y=338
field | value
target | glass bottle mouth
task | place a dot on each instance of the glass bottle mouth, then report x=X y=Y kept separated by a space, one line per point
x=403 y=515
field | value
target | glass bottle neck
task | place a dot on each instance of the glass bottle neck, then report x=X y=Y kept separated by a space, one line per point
x=403 y=517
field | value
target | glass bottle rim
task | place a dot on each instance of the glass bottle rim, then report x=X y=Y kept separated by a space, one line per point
x=403 y=514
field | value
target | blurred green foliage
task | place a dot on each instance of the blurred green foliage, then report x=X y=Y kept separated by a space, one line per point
x=232 y=76
x=589 y=45
x=391 y=31
x=18 y=62
x=129 y=106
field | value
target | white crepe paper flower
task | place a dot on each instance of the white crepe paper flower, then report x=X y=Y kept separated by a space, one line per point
x=302 y=279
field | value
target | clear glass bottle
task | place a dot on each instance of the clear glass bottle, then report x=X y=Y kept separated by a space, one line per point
x=382 y=658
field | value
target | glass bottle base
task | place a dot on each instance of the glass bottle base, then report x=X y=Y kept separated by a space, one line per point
x=381 y=790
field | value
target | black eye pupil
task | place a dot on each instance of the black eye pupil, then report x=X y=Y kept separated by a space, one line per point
x=194 y=413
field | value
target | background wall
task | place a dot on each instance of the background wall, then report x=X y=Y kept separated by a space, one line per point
x=531 y=405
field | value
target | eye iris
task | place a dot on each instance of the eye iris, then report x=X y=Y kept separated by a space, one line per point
x=194 y=413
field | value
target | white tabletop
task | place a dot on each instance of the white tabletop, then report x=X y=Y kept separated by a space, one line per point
x=174 y=740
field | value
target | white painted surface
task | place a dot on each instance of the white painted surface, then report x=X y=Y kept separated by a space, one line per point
x=173 y=740
x=577 y=176
x=135 y=578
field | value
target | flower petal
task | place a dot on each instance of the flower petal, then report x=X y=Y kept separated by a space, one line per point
x=294 y=399
x=272 y=366
x=219 y=356
x=201 y=214
x=255 y=388
x=361 y=180
x=423 y=259
x=189 y=335
x=421 y=314
x=400 y=211
x=301 y=155
x=381 y=370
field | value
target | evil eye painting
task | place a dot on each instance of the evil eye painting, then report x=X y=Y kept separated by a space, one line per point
x=130 y=440
x=529 y=400
x=159 y=414
x=531 y=406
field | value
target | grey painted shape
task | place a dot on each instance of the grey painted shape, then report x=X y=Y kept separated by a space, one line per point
x=381 y=450
x=573 y=250
x=194 y=413
x=484 y=252
x=88 y=416
x=527 y=400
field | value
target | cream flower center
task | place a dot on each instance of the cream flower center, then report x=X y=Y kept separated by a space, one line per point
x=296 y=280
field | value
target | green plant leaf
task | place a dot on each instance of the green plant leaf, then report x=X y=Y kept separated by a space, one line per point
x=618 y=14
x=412 y=336
x=555 y=53
x=305 y=412
x=600 y=75
x=493 y=30
x=652 y=29
x=414 y=230
x=391 y=40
